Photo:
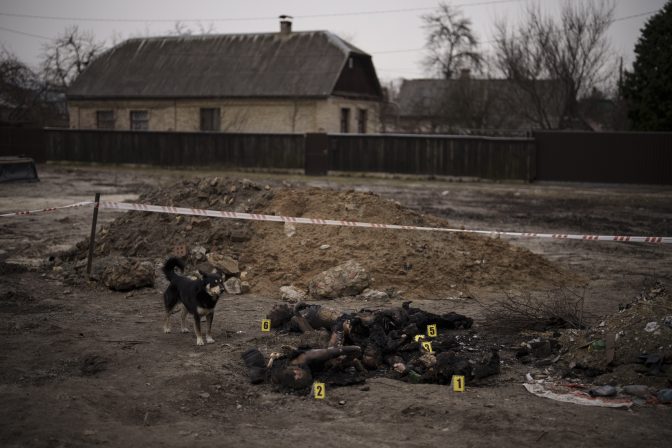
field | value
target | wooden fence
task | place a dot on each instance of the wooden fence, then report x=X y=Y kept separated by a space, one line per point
x=548 y=156
x=630 y=157
x=482 y=157
x=279 y=151
x=16 y=141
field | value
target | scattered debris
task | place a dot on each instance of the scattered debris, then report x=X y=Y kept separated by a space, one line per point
x=664 y=396
x=637 y=390
x=290 y=229
x=292 y=294
x=347 y=279
x=569 y=394
x=125 y=274
x=224 y=263
x=372 y=294
x=603 y=391
x=233 y=286
x=651 y=327
x=619 y=353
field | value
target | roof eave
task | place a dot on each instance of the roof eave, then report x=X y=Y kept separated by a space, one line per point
x=188 y=97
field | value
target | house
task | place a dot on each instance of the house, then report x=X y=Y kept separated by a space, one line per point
x=273 y=82
x=469 y=105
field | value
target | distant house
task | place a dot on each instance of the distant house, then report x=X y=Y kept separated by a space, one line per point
x=468 y=105
x=273 y=82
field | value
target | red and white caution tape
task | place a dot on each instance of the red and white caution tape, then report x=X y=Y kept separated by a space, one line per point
x=333 y=222
x=50 y=209
x=344 y=223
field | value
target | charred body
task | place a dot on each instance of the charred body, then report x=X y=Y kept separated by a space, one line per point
x=369 y=343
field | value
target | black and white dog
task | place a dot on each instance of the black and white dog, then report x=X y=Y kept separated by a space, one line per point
x=198 y=298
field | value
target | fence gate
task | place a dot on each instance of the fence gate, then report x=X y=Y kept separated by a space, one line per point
x=316 y=154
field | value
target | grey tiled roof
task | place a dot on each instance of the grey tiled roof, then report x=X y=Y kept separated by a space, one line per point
x=299 y=64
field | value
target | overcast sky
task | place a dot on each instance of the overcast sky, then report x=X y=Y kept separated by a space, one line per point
x=390 y=30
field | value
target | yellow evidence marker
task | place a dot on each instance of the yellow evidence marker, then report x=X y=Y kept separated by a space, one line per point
x=319 y=390
x=431 y=331
x=266 y=325
x=427 y=346
x=458 y=383
x=418 y=337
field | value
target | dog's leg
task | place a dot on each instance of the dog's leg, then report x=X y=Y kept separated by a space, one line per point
x=208 y=328
x=197 y=330
x=183 y=322
x=170 y=298
x=166 y=323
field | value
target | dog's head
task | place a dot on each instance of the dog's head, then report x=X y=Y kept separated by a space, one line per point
x=213 y=282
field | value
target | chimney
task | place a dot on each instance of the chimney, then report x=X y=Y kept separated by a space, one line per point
x=465 y=73
x=285 y=24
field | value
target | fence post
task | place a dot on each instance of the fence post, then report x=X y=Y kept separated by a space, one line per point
x=92 y=240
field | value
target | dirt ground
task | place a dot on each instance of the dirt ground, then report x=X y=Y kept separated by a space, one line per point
x=81 y=365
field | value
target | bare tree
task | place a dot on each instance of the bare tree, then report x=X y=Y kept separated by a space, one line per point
x=552 y=63
x=19 y=86
x=182 y=29
x=67 y=56
x=451 y=43
x=24 y=97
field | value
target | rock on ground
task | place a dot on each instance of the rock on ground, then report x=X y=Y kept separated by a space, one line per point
x=233 y=286
x=125 y=274
x=292 y=294
x=224 y=263
x=347 y=279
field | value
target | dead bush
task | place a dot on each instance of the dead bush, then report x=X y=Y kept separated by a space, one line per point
x=560 y=308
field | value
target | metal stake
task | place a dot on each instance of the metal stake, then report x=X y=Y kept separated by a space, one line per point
x=92 y=240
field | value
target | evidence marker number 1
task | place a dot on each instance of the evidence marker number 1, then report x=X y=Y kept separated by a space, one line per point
x=266 y=325
x=458 y=383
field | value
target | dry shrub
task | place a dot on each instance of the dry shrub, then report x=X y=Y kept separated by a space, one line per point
x=560 y=308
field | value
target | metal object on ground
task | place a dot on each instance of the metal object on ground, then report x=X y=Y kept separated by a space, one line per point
x=18 y=169
x=92 y=240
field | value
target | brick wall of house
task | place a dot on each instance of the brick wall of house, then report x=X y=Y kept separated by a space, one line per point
x=329 y=115
x=235 y=115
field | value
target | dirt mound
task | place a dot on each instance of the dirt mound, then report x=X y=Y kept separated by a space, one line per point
x=631 y=346
x=417 y=263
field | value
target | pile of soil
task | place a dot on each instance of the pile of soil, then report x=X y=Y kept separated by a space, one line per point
x=416 y=263
x=642 y=334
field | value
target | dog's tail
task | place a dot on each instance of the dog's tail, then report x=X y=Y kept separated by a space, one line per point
x=170 y=265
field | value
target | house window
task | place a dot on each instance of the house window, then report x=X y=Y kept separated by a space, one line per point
x=105 y=119
x=210 y=119
x=140 y=120
x=345 y=120
x=362 y=115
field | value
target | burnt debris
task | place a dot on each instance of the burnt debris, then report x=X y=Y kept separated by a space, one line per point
x=383 y=342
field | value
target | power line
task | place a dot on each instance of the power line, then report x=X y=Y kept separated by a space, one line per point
x=250 y=19
x=409 y=50
x=492 y=41
x=635 y=15
x=25 y=34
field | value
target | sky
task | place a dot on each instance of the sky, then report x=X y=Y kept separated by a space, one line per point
x=390 y=30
